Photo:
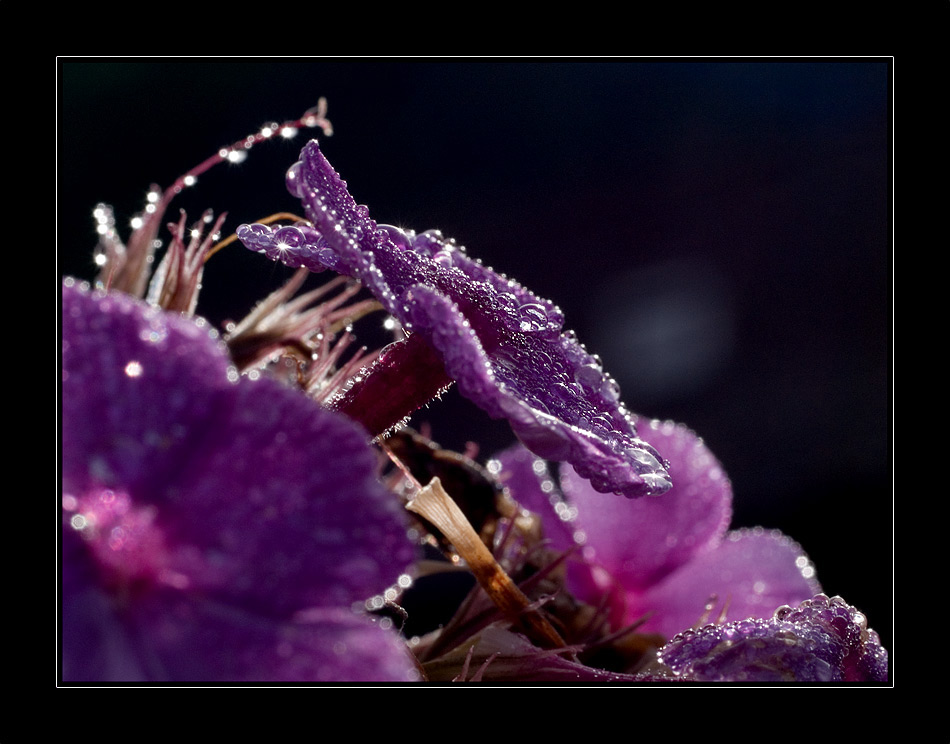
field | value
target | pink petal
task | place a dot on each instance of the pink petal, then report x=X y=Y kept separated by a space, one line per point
x=749 y=575
x=639 y=542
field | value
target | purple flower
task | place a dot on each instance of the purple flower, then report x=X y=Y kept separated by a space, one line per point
x=214 y=528
x=504 y=346
x=221 y=520
x=669 y=565
x=669 y=560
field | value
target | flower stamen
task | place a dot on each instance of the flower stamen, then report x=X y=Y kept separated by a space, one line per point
x=126 y=268
x=176 y=282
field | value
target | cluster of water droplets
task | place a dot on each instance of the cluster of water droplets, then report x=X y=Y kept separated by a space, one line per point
x=863 y=655
x=823 y=639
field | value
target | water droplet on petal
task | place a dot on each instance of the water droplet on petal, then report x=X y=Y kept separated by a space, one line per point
x=294 y=181
x=610 y=389
x=290 y=237
x=588 y=377
x=533 y=318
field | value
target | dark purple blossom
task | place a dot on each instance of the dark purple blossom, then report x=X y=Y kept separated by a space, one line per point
x=504 y=346
x=214 y=527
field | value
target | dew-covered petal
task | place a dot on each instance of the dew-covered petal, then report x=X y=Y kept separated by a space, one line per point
x=864 y=657
x=748 y=575
x=639 y=543
x=754 y=650
x=504 y=345
x=821 y=641
x=179 y=480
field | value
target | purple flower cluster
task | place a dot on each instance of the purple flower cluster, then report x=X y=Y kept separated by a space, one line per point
x=221 y=521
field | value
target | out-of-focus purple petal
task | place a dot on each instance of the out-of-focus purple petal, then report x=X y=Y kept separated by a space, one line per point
x=747 y=575
x=127 y=395
x=642 y=542
x=664 y=559
x=171 y=636
x=530 y=483
x=190 y=640
x=96 y=644
x=191 y=493
x=824 y=640
x=503 y=345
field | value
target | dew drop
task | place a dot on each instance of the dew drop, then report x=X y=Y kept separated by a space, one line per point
x=610 y=389
x=533 y=318
x=588 y=376
x=290 y=236
x=658 y=481
x=294 y=180
x=508 y=300
x=643 y=457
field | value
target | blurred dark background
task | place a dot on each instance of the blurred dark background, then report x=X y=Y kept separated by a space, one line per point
x=718 y=232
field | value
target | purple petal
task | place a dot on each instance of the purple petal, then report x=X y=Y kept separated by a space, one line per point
x=747 y=575
x=501 y=343
x=124 y=399
x=666 y=558
x=193 y=491
x=824 y=640
x=864 y=657
x=639 y=543
x=172 y=636
x=531 y=484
